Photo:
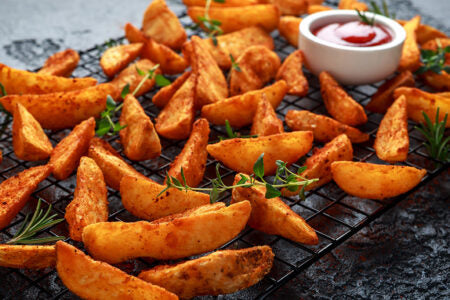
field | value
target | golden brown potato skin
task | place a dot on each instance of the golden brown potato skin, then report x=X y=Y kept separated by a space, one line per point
x=352 y=4
x=291 y=7
x=291 y=72
x=288 y=28
x=27 y=256
x=265 y=120
x=221 y=272
x=169 y=61
x=438 y=81
x=66 y=155
x=324 y=128
x=61 y=63
x=312 y=9
x=410 y=59
x=425 y=32
x=90 y=203
x=365 y=180
x=162 y=97
x=92 y=279
x=193 y=232
x=16 y=190
x=116 y=58
x=29 y=140
x=228 y=3
x=24 y=82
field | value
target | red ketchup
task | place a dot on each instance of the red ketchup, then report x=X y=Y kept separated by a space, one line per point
x=354 y=34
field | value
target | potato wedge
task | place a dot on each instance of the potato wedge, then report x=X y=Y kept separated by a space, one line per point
x=291 y=72
x=162 y=25
x=16 y=190
x=193 y=232
x=273 y=216
x=438 y=81
x=90 y=203
x=64 y=109
x=289 y=28
x=426 y=32
x=240 y=154
x=116 y=58
x=18 y=82
x=410 y=59
x=239 y=110
x=235 y=18
x=140 y=197
x=228 y=3
x=383 y=98
x=111 y=163
x=27 y=256
x=61 y=63
x=352 y=4
x=444 y=94
x=92 y=279
x=221 y=272
x=139 y=138
x=315 y=8
x=176 y=118
x=339 y=104
x=162 y=97
x=192 y=158
x=291 y=7
x=169 y=61
x=372 y=181
x=392 y=141
x=265 y=121
x=134 y=34
x=29 y=140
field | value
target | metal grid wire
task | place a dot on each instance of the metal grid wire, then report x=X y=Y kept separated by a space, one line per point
x=335 y=215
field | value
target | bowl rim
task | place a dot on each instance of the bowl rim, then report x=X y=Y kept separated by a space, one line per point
x=399 y=34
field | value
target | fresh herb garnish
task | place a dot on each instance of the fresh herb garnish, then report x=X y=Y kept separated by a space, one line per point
x=8 y=115
x=211 y=26
x=234 y=64
x=364 y=19
x=436 y=144
x=376 y=9
x=231 y=134
x=434 y=60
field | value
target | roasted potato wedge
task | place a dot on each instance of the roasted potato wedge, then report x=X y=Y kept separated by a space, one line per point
x=64 y=109
x=438 y=81
x=240 y=154
x=27 y=256
x=228 y=3
x=288 y=28
x=426 y=32
x=291 y=7
x=265 y=120
x=140 y=197
x=352 y=4
x=66 y=155
x=116 y=58
x=221 y=272
x=372 y=181
x=383 y=98
x=18 y=82
x=315 y=8
x=162 y=97
x=239 y=110
x=90 y=203
x=193 y=232
x=29 y=140
x=291 y=72
x=61 y=63
x=16 y=190
x=339 y=104
x=410 y=59
x=92 y=279
x=170 y=62
x=134 y=34
x=139 y=138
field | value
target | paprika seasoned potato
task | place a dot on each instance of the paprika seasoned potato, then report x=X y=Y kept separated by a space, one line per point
x=289 y=28
x=139 y=138
x=265 y=120
x=221 y=272
x=140 y=197
x=29 y=140
x=90 y=203
x=169 y=61
x=162 y=97
x=439 y=81
x=291 y=7
x=221 y=4
x=426 y=32
x=193 y=232
x=16 y=190
x=291 y=72
x=116 y=58
x=240 y=154
x=372 y=181
x=134 y=34
x=27 y=256
x=410 y=59
x=315 y=8
x=92 y=279
x=61 y=63
x=352 y=4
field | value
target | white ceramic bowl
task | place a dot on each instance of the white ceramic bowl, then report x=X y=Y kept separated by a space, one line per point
x=350 y=65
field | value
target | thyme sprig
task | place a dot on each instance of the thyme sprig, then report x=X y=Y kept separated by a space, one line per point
x=434 y=60
x=231 y=134
x=362 y=16
x=385 y=12
x=436 y=144
x=211 y=26
x=234 y=64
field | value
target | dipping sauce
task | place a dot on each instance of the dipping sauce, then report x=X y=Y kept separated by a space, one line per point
x=354 y=34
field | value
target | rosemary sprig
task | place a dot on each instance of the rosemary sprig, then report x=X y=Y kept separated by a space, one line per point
x=234 y=64
x=211 y=26
x=39 y=222
x=364 y=19
x=436 y=144
x=231 y=134
x=376 y=9
x=8 y=115
x=434 y=60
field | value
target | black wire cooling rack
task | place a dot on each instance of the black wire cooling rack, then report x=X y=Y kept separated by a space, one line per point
x=335 y=215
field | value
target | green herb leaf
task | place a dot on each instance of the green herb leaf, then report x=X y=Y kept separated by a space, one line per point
x=364 y=19
x=140 y=72
x=110 y=103
x=271 y=192
x=433 y=61
x=219 y=1
x=125 y=91
x=258 y=167
x=234 y=64
x=162 y=81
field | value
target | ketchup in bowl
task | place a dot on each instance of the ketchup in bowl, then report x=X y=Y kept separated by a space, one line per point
x=354 y=34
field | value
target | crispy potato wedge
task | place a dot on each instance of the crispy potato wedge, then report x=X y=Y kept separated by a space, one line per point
x=288 y=28
x=111 y=163
x=291 y=7
x=392 y=141
x=27 y=256
x=324 y=128
x=90 y=203
x=273 y=216
x=24 y=82
x=372 y=181
x=193 y=232
x=221 y=272
x=64 y=109
x=162 y=97
x=419 y=101
x=192 y=158
x=444 y=94
x=235 y=18
x=170 y=62
x=291 y=72
x=29 y=140
x=315 y=8
x=162 y=25
x=315 y=2
x=426 y=32
x=438 y=81
x=140 y=197
x=239 y=110
x=118 y=57
x=410 y=59
x=352 y=4
x=383 y=99
x=61 y=63
x=265 y=120
x=176 y=118
x=134 y=34
x=139 y=138
x=339 y=104
x=16 y=190
x=92 y=279
x=288 y=147
x=228 y=3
